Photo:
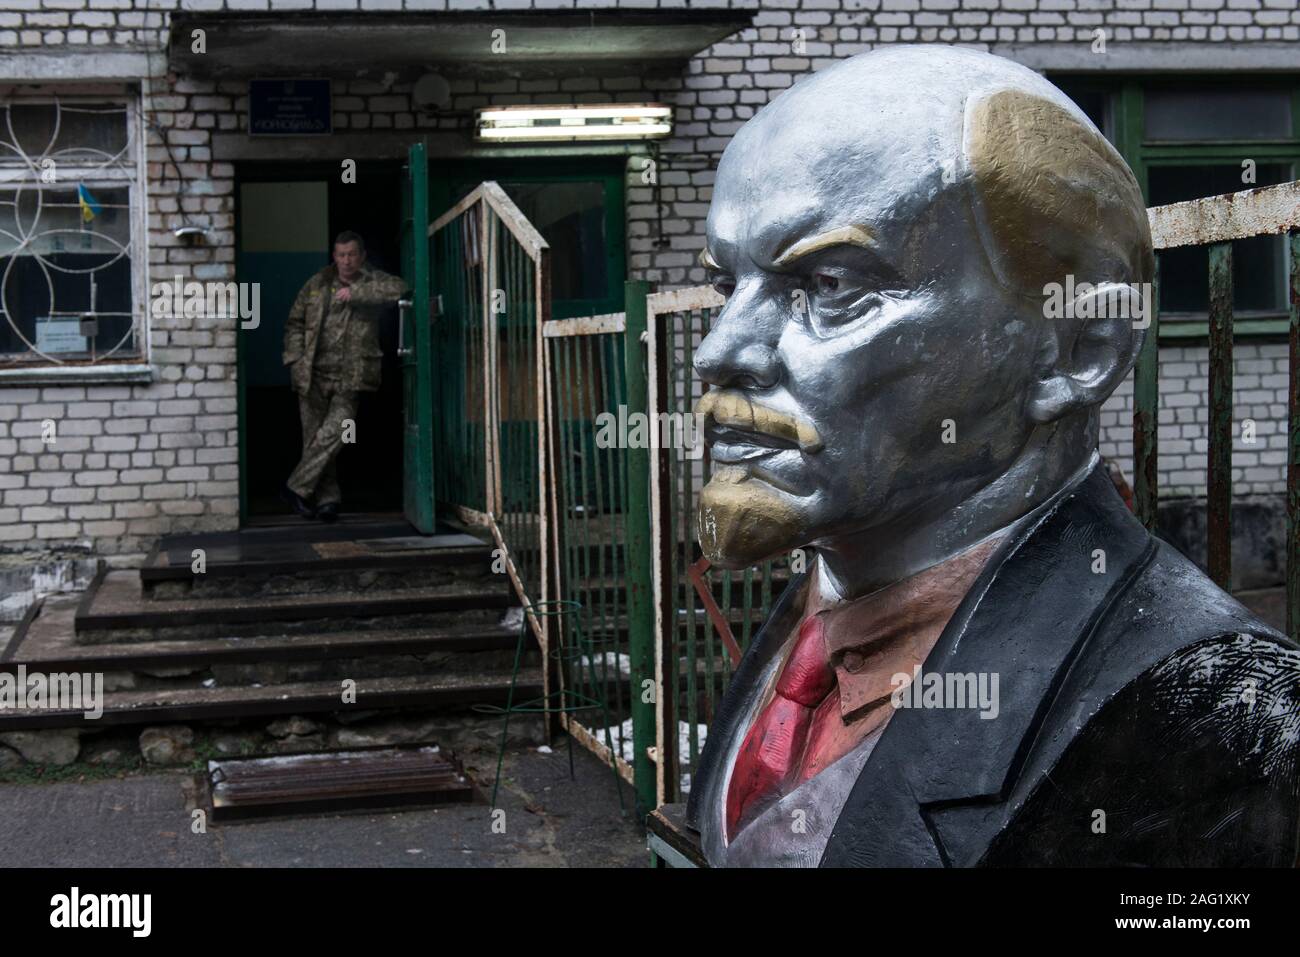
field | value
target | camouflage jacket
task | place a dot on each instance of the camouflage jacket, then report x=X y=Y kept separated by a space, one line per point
x=358 y=352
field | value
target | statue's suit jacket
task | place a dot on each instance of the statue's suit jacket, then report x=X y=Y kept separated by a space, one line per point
x=1146 y=717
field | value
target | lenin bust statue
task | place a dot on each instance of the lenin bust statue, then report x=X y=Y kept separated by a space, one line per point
x=989 y=660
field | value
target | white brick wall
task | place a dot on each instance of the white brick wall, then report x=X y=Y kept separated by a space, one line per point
x=134 y=461
x=122 y=468
x=1259 y=381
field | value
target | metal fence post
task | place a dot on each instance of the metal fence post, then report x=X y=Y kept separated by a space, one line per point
x=1293 y=449
x=1218 y=499
x=1146 y=415
x=640 y=596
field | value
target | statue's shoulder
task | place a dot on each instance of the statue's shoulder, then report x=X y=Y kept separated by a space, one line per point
x=1171 y=605
x=1227 y=674
x=1187 y=650
x=1196 y=762
x=1174 y=739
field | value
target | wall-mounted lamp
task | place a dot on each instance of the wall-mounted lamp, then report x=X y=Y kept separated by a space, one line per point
x=603 y=121
x=191 y=234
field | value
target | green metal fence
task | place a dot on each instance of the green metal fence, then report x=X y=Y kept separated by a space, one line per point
x=705 y=617
x=460 y=461
x=586 y=362
x=517 y=269
x=628 y=569
x=1215 y=222
x=491 y=270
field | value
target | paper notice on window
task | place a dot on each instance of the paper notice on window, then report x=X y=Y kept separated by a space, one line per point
x=60 y=335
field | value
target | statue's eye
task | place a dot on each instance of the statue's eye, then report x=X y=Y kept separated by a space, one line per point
x=722 y=284
x=825 y=283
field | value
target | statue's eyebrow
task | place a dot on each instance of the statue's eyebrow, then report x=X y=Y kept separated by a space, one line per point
x=841 y=236
x=707 y=260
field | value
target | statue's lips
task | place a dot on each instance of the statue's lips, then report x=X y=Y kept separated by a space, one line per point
x=728 y=445
x=740 y=429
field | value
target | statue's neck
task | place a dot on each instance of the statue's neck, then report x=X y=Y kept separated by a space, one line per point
x=860 y=563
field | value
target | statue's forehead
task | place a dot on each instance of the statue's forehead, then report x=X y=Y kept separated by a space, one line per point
x=824 y=162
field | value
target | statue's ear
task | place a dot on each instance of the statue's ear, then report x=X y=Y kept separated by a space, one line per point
x=1095 y=339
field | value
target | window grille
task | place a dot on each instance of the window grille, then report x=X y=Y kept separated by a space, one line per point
x=71 y=231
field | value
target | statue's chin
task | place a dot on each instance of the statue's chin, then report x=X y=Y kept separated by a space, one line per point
x=744 y=521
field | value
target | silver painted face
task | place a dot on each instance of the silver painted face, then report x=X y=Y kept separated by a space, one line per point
x=862 y=300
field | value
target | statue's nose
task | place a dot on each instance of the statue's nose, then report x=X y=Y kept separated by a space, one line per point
x=736 y=353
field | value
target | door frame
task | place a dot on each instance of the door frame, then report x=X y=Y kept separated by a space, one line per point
x=418 y=493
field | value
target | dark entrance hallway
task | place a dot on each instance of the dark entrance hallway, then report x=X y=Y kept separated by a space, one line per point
x=287 y=217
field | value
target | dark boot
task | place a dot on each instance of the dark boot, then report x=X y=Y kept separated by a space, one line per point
x=297 y=502
x=329 y=512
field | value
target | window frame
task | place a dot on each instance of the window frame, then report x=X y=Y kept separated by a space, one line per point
x=1125 y=127
x=131 y=362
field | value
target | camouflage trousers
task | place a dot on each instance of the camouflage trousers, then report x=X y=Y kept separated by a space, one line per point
x=323 y=409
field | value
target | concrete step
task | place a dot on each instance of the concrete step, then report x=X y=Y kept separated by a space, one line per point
x=314 y=568
x=114 y=609
x=162 y=706
x=49 y=645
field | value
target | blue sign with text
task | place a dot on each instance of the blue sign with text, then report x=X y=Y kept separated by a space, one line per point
x=289 y=108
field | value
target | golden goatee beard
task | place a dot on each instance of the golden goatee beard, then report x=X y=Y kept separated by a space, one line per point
x=743 y=521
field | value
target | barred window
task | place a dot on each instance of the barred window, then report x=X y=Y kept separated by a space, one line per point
x=1187 y=138
x=71 y=231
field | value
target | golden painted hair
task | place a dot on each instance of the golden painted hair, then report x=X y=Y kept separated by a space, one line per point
x=1052 y=197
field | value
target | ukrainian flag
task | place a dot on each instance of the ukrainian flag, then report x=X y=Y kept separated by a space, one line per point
x=89 y=208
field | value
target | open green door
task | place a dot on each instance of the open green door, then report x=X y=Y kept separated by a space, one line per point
x=415 y=346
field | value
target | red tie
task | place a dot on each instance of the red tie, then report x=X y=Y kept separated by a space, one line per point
x=770 y=754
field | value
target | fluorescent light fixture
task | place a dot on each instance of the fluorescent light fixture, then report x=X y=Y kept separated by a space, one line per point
x=601 y=121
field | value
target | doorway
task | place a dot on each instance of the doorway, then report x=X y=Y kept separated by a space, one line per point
x=286 y=218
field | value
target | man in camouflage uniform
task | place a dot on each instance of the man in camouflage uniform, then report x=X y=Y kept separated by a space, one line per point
x=331 y=346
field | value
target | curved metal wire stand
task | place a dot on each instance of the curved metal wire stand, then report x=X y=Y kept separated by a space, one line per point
x=570 y=700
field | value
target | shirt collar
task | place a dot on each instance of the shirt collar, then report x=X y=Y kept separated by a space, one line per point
x=891 y=631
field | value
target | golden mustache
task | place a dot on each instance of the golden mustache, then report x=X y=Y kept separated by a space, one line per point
x=732 y=408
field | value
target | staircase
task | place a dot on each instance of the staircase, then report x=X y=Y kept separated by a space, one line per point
x=325 y=620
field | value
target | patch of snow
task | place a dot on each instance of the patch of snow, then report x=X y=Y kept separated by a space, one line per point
x=622 y=735
x=606 y=662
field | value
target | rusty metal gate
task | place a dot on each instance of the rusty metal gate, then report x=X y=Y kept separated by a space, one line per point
x=704 y=617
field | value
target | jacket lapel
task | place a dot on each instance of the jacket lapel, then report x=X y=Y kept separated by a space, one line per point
x=924 y=797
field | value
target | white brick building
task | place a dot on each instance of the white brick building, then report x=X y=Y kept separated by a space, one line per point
x=148 y=439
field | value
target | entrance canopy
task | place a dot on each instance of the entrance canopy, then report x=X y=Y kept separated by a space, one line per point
x=480 y=44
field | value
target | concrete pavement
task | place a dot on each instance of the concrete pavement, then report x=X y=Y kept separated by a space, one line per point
x=144 y=820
